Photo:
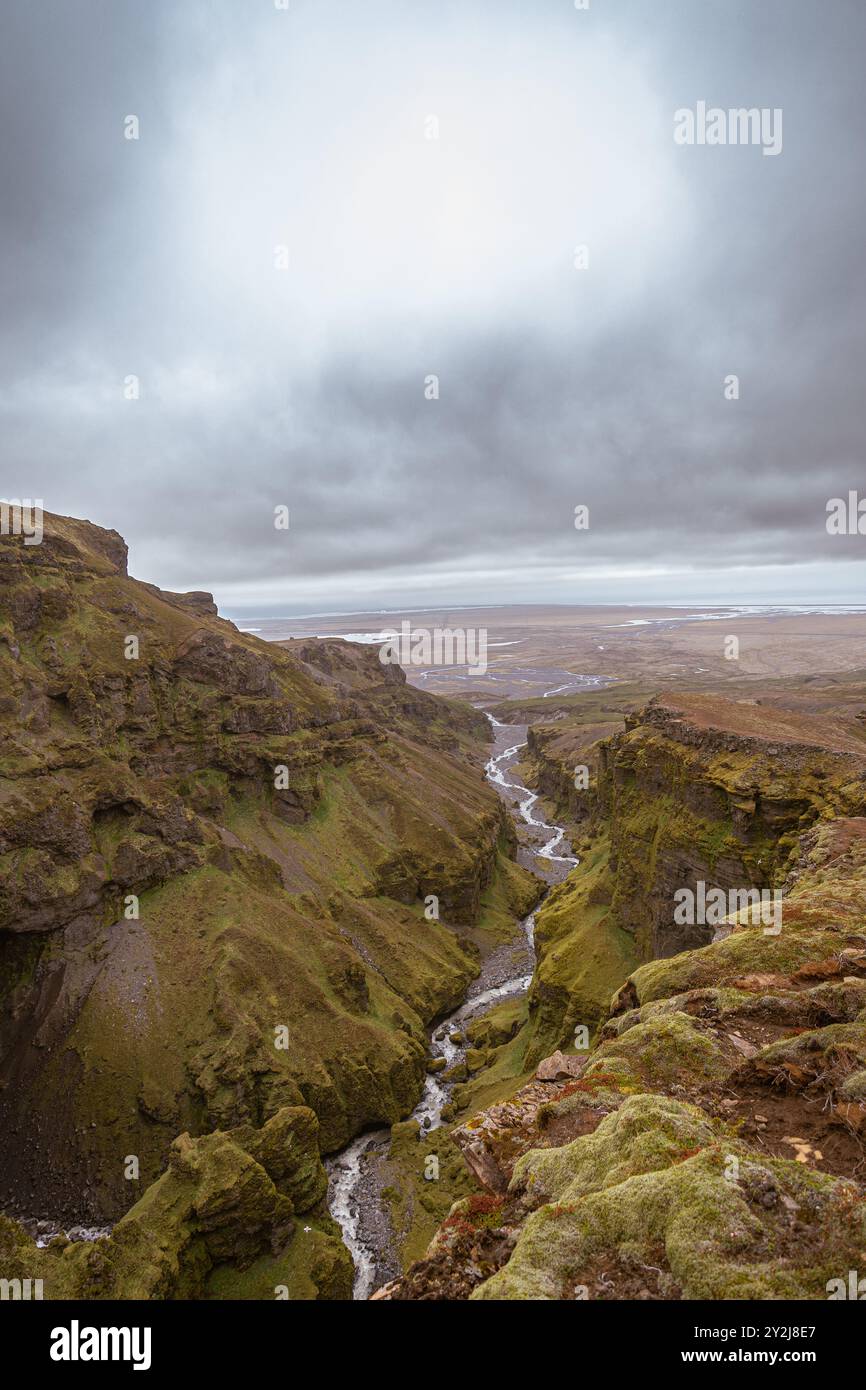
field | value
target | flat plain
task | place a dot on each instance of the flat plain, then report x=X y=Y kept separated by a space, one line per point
x=549 y=651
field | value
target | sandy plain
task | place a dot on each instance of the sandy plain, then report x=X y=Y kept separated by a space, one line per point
x=537 y=651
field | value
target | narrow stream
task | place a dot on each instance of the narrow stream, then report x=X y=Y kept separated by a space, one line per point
x=353 y=1193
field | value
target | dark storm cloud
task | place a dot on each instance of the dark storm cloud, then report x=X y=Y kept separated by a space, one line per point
x=410 y=258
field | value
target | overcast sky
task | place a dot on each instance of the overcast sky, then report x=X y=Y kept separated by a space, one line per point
x=410 y=256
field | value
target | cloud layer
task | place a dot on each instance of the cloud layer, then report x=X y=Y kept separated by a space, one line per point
x=409 y=257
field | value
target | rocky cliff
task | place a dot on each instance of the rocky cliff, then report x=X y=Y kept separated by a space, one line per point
x=710 y=1142
x=214 y=861
x=221 y=1222
x=699 y=788
x=694 y=790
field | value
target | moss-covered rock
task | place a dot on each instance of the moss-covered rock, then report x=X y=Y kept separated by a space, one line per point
x=702 y=789
x=745 y=953
x=219 y=1222
x=711 y=1143
x=656 y=1176
x=582 y=955
x=670 y=1049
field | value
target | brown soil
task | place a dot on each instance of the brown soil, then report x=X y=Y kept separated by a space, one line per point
x=562 y=1129
x=608 y=1277
x=792 y=1125
x=453 y=1274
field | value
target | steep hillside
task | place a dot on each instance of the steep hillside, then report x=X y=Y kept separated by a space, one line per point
x=214 y=858
x=695 y=789
x=219 y=1223
x=699 y=788
x=711 y=1140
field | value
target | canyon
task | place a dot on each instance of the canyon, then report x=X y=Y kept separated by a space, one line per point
x=709 y=1144
x=215 y=960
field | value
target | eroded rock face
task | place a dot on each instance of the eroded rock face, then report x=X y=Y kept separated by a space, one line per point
x=702 y=790
x=710 y=1143
x=221 y=1221
x=213 y=856
x=698 y=789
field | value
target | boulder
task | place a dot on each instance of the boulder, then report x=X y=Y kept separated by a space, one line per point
x=558 y=1067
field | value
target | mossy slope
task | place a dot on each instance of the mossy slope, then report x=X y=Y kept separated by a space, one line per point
x=712 y=1141
x=215 y=855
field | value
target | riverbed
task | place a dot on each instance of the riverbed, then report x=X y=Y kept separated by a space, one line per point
x=354 y=1192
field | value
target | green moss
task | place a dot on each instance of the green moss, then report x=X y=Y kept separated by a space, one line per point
x=314 y=1266
x=261 y=908
x=830 y=1056
x=221 y=1221
x=418 y=1201
x=646 y=1133
x=499 y=1025
x=854 y=1087
x=656 y=1173
x=661 y=1052
x=582 y=957
x=743 y=953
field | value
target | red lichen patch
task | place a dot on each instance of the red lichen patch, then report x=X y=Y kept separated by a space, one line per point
x=481 y=1209
x=601 y=1081
x=687 y=1154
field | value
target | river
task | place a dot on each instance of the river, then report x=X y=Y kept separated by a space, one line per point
x=354 y=1191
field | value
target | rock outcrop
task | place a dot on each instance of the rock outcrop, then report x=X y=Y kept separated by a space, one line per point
x=696 y=790
x=711 y=1141
x=703 y=789
x=221 y=1222
x=214 y=858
